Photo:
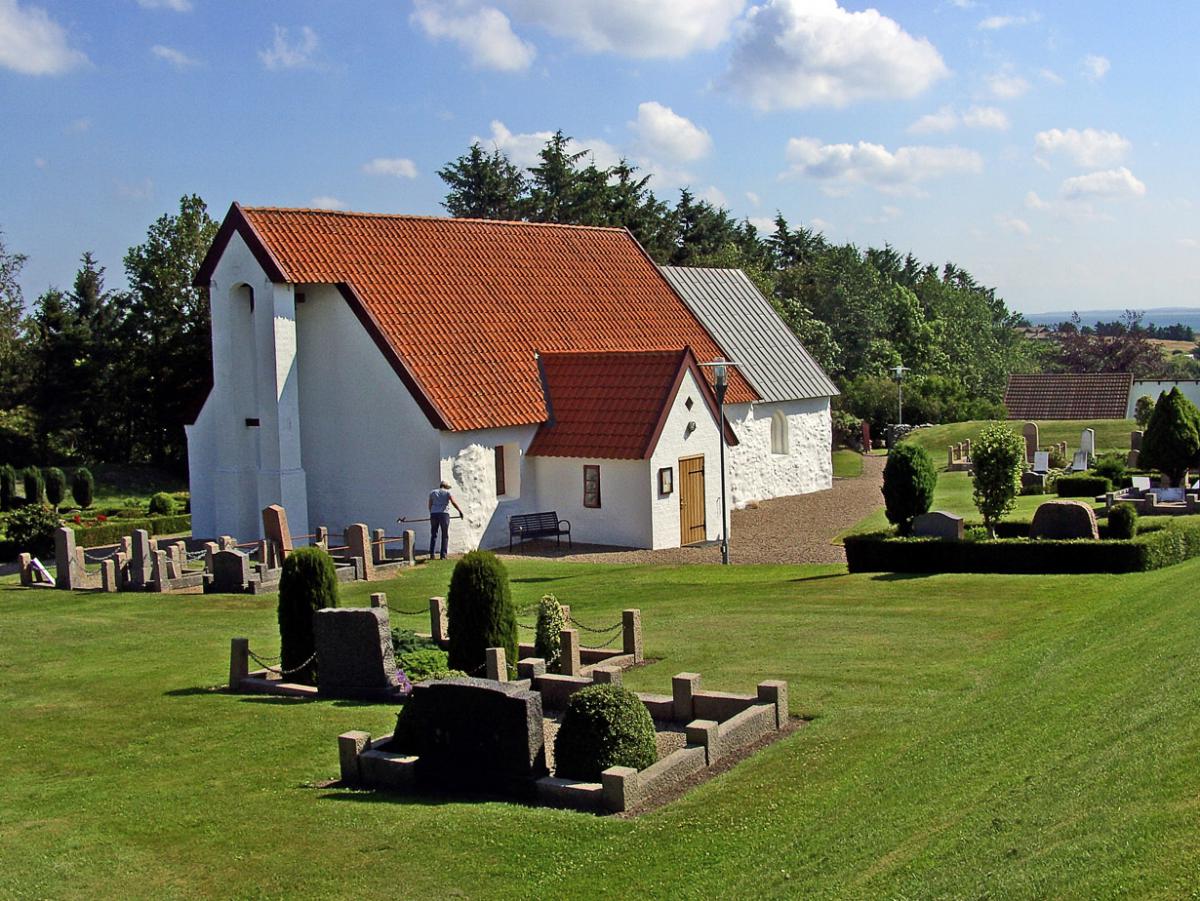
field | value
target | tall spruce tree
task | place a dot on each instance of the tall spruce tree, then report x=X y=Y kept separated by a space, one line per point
x=484 y=186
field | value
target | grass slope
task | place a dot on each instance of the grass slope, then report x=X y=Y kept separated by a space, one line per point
x=998 y=736
x=1111 y=434
x=847 y=464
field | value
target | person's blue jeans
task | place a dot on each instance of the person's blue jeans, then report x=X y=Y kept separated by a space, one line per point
x=439 y=522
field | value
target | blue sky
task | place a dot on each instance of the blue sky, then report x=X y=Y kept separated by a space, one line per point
x=1048 y=148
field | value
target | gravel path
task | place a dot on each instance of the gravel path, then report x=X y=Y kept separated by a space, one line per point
x=795 y=529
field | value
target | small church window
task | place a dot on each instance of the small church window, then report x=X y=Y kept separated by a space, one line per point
x=591 y=486
x=500 y=486
x=779 y=433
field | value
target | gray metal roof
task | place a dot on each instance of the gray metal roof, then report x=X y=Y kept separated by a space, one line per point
x=750 y=331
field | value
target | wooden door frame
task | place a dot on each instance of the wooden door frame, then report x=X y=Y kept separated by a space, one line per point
x=703 y=523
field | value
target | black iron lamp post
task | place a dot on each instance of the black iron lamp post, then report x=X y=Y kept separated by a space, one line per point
x=720 y=369
x=898 y=371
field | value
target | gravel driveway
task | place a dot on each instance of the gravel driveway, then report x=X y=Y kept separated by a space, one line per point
x=795 y=529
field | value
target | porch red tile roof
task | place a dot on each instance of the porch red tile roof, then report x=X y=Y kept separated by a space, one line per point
x=460 y=306
x=1099 y=395
x=612 y=404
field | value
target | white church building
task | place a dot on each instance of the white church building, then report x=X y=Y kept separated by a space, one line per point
x=360 y=359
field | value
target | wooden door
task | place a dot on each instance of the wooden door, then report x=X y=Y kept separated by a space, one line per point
x=692 y=525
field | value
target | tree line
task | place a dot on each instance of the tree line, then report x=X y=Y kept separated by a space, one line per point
x=92 y=374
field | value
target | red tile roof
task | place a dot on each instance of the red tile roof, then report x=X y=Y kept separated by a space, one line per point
x=460 y=306
x=612 y=405
x=1099 y=395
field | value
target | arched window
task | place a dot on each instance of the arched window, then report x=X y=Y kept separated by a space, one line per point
x=779 y=433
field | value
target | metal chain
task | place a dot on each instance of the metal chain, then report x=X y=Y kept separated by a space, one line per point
x=532 y=628
x=281 y=672
x=576 y=622
x=100 y=558
x=418 y=612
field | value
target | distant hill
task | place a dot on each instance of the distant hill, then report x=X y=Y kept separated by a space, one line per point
x=1160 y=316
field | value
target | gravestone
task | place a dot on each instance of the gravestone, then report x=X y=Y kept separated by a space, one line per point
x=1132 y=459
x=1033 y=480
x=141 y=563
x=358 y=541
x=1081 y=461
x=25 y=568
x=473 y=733
x=866 y=437
x=1029 y=432
x=1135 y=439
x=1140 y=483
x=1041 y=461
x=66 y=560
x=275 y=530
x=354 y=653
x=1087 y=442
x=230 y=571
x=939 y=525
x=1064 y=519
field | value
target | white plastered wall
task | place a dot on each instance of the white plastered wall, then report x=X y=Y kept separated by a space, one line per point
x=236 y=469
x=623 y=517
x=369 y=450
x=757 y=474
x=676 y=442
x=467 y=460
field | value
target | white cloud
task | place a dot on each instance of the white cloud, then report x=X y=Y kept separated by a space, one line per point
x=1193 y=243
x=715 y=196
x=1033 y=202
x=995 y=23
x=286 y=54
x=176 y=58
x=179 y=6
x=764 y=224
x=887 y=213
x=818 y=224
x=1095 y=67
x=947 y=119
x=1109 y=184
x=523 y=149
x=842 y=166
x=1090 y=147
x=660 y=131
x=1006 y=86
x=1014 y=225
x=669 y=29
x=34 y=44
x=1051 y=76
x=753 y=198
x=399 y=167
x=326 y=202
x=483 y=32
x=800 y=53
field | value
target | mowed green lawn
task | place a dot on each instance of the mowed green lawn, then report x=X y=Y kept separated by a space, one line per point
x=1111 y=434
x=971 y=736
x=847 y=464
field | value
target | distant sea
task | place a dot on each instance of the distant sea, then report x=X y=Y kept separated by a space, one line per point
x=1160 y=316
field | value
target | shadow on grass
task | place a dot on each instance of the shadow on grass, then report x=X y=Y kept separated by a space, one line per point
x=818 y=578
x=900 y=577
x=197 y=690
x=277 y=700
x=342 y=791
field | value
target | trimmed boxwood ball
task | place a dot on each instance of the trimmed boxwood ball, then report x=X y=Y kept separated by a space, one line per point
x=603 y=726
x=480 y=612
x=83 y=487
x=909 y=479
x=8 y=487
x=308 y=583
x=162 y=504
x=551 y=620
x=35 y=487
x=1123 y=521
x=56 y=486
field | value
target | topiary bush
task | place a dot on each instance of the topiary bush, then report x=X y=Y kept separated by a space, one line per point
x=603 y=726
x=480 y=612
x=909 y=479
x=308 y=583
x=1172 y=440
x=35 y=488
x=8 y=487
x=31 y=528
x=162 y=504
x=551 y=620
x=56 y=486
x=83 y=487
x=1123 y=521
x=998 y=455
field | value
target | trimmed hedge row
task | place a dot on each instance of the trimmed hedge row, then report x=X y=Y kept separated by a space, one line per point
x=884 y=552
x=113 y=531
x=1082 y=486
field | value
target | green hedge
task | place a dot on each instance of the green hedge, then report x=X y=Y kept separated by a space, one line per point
x=113 y=531
x=1151 y=549
x=1082 y=486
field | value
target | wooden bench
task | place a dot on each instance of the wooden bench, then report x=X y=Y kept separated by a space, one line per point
x=538 y=525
